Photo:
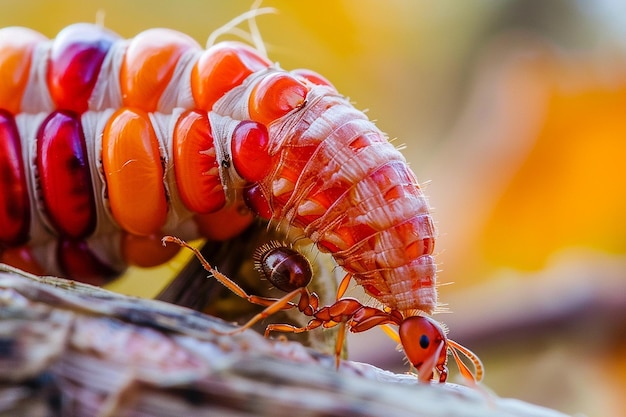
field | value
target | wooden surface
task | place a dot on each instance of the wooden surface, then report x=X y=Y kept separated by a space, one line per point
x=69 y=349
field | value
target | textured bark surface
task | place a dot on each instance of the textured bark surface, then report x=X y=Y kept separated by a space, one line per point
x=69 y=349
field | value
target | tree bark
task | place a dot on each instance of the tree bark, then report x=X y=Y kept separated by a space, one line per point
x=70 y=349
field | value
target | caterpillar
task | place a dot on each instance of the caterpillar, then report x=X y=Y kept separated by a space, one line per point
x=67 y=105
x=108 y=144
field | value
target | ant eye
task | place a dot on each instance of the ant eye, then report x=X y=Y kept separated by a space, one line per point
x=424 y=341
x=424 y=344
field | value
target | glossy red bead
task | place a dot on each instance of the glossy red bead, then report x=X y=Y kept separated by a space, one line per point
x=64 y=175
x=22 y=257
x=250 y=150
x=195 y=163
x=257 y=202
x=14 y=201
x=76 y=57
x=312 y=77
x=274 y=96
x=78 y=262
x=221 y=68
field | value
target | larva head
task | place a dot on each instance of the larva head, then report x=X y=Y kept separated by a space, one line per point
x=425 y=345
x=286 y=268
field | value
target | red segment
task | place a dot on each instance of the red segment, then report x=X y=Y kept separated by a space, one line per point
x=354 y=233
x=75 y=60
x=257 y=202
x=221 y=68
x=78 y=262
x=389 y=176
x=16 y=51
x=298 y=156
x=366 y=139
x=22 y=257
x=274 y=96
x=63 y=169
x=324 y=197
x=15 y=203
x=289 y=176
x=250 y=150
x=312 y=77
x=195 y=164
x=146 y=251
x=328 y=247
x=372 y=290
x=417 y=235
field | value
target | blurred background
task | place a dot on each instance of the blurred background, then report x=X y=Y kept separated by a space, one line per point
x=512 y=113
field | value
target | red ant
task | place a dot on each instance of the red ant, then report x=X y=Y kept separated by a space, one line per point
x=423 y=339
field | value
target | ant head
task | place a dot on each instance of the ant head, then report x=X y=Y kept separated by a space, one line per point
x=425 y=345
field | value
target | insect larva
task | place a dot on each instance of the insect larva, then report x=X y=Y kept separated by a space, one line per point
x=84 y=202
x=151 y=135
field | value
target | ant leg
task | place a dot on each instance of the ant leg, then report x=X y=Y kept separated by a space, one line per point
x=391 y=333
x=223 y=279
x=282 y=303
x=288 y=328
x=341 y=337
x=343 y=286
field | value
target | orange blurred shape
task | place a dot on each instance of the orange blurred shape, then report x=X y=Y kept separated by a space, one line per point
x=570 y=191
x=146 y=251
x=225 y=223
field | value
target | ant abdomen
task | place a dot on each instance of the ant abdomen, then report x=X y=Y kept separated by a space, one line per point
x=284 y=267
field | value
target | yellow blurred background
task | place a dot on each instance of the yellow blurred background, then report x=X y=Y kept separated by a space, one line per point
x=512 y=112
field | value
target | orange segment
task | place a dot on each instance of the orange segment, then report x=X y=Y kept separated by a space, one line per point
x=225 y=223
x=149 y=64
x=16 y=50
x=146 y=251
x=274 y=96
x=195 y=164
x=134 y=172
x=312 y=77
x=221 y=68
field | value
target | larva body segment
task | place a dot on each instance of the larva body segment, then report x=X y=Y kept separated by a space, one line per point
x=87 y=74
x=337 y=177
x=160 y=113
x=357 y=198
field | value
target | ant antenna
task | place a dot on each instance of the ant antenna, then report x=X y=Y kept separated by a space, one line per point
x=478 y=374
